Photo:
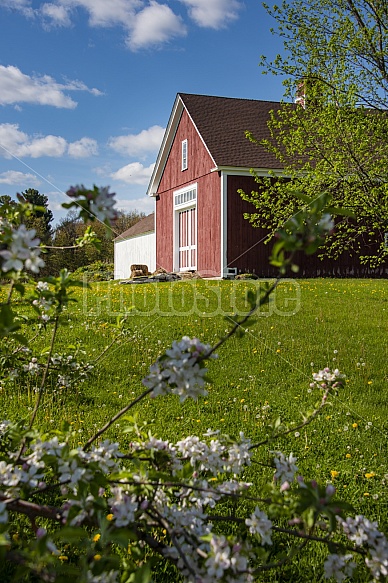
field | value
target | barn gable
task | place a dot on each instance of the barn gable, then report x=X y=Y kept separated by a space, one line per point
x=205 y=143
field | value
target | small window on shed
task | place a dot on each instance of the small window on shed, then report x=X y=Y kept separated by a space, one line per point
x=184 y=155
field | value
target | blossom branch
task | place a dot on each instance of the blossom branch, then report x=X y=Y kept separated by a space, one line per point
x=115 y=418
x=306 y=422
x=241 y=322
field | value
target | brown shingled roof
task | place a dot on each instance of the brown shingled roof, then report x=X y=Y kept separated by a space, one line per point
x=222 y=122
x=145 y=225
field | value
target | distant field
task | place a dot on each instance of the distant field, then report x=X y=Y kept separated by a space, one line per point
x=257 y=378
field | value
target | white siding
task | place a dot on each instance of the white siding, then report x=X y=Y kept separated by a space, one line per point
x=140 y=250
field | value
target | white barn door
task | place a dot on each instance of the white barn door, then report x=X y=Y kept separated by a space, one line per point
x=187 y=239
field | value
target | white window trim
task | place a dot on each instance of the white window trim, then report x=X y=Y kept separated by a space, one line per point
x=185 y=150
x=180 y=193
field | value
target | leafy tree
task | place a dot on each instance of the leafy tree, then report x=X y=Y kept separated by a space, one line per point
x=66 y=255
x=121 y=223
x=71 y=228
x=5 y=199
x=336 y=61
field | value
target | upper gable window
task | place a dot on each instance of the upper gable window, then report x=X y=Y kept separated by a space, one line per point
x=184 y=155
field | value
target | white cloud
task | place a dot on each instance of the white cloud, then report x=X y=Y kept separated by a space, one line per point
x=106 y=12
x=134 y=173
x=137 y=144
x=14 y=142
x=145 y=204
x=23 y=6
x=213 y=13
x=83 y=148
x=58 y=15
x=52 y=146
x=16 y=87
x=146 y=24
x=154 y=25
x=14 y=177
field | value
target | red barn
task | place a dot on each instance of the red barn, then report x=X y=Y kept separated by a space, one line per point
x=204 y=159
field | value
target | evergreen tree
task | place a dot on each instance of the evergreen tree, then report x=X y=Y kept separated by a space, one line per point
x=41 y=219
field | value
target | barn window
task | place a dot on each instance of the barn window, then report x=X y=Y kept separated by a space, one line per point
x=186 y=196
x=184 y=155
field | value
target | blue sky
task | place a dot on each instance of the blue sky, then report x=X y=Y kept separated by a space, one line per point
x=87 y=86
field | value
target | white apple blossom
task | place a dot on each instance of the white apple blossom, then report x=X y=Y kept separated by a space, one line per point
x=260 y=524
x=23 y=250
x=378 y=563
x=285 y=467
x=10 y=475
x=32 y=367
x=227 y=559
x=84 y=507
x=71 y=473
x=364 y=533
x=361 y=531
x=4 y=426
x=106 y=454
x=339 y=566
x=51 y=447
x=42 y=286
x=102 y=205
x=123 y=506
x=327 y=378
x=238 y=455
x=179 y=370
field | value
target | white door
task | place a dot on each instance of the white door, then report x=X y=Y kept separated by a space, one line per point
x=187 y=239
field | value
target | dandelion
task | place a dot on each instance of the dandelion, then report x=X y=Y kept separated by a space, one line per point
x=334 y=473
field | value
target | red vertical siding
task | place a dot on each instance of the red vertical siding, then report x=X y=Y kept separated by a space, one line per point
x=245 y=246
x=247 y=252
x=209 y=225
x=199 y=169
x=164 y=231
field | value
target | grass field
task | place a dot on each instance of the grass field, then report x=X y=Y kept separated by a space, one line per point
x=264 y=375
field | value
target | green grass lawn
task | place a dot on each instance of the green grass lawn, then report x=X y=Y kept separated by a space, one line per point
x=264 y=375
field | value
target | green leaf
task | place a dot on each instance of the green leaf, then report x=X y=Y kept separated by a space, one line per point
x=341 y=212
x=142 y=574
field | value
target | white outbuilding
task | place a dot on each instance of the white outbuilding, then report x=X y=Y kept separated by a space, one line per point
x=137 y=245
